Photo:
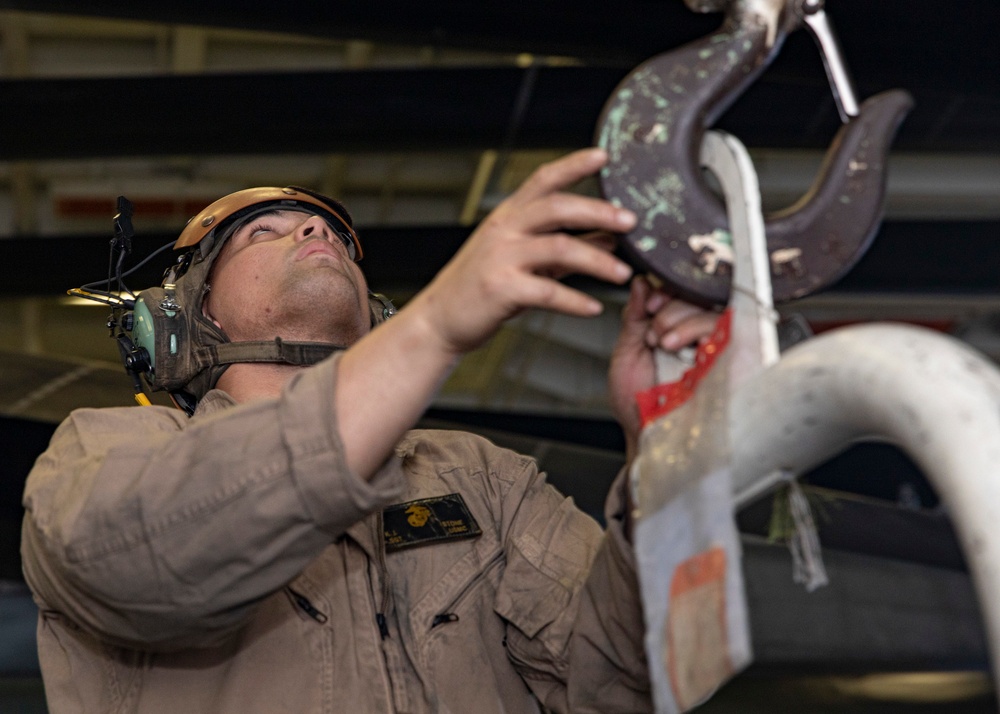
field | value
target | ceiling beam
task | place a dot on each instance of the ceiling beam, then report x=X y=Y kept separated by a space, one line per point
x=13 y=46
x=899 y=37
x=190 y=47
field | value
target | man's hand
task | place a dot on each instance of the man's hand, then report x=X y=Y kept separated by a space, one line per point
x=510 y=263
x=651 y=319
x=514 y=259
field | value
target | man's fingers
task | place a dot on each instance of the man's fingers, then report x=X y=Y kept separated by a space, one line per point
x=673 y=314
x=691 y=330
x=558 y=211
x=673 y=323
x=559 y=254
x=656 y=300
x=600 y=239
x=635 y=319
x=557 y=175
x=549 y=294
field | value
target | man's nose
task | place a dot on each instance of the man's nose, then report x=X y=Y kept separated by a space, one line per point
x=313 y=227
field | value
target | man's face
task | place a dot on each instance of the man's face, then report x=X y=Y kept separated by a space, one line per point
x=287 y=274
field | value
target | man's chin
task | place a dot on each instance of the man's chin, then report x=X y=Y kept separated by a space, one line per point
x=333 y=316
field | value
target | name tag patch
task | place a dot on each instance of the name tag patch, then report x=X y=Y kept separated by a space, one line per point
x=428 y=520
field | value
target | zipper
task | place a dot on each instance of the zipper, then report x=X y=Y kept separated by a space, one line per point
x=448 y=614
x=306 y=606
x=383 y=626
x=443 y=618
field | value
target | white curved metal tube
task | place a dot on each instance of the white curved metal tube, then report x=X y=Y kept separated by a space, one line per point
x=929 y=394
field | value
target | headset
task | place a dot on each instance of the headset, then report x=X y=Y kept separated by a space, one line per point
x=164 y=339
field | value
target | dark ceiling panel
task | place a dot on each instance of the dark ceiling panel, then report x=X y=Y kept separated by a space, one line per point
x=950 y=258
x=390 y=110
x=278 y=113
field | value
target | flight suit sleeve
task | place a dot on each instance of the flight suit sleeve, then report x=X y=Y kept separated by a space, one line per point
x=153 y=531
x=608 y=668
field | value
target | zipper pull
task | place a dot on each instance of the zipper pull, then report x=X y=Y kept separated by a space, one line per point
x=303 y=602
x=443 y=618
x=383 y=626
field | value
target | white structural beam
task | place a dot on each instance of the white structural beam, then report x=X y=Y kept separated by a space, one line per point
x=928 y=394
x=920 y=186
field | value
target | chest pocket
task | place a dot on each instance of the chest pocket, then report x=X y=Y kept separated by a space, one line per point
x=545 y=570
x=479 y=568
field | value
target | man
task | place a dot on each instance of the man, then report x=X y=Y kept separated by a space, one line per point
x=270 y=553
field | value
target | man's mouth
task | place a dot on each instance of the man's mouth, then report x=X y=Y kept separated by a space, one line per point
x=317 y=245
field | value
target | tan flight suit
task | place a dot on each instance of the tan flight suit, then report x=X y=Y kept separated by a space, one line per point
x=232 y=563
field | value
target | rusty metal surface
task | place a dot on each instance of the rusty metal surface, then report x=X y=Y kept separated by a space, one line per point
x=652 y=127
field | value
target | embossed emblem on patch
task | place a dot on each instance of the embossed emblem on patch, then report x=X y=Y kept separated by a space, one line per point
x=428 y=520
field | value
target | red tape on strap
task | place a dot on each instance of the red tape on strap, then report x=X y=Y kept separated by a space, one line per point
x=664 y=398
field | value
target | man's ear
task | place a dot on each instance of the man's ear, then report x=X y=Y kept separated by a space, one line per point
x=205 y=309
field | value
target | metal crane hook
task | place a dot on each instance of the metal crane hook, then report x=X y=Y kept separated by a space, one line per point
x=652 y=127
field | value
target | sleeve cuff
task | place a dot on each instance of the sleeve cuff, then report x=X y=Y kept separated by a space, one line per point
x=334 y=496
x=616 y=515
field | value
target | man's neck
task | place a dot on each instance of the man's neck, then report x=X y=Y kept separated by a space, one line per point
x=249 y=381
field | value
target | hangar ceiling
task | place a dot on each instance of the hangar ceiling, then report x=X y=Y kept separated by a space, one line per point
x=422 y=117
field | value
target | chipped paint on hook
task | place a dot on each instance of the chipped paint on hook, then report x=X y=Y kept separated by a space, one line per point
x=712 y=248
x=657 y=133
x=611 y=133
x=786 y=260
x=785 y=255
x=662 y=197
x=651 y=87
x=646 y=244
x=854 y=166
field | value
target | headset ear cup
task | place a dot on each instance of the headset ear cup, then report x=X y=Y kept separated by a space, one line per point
x=143 y=330
x=381 y=308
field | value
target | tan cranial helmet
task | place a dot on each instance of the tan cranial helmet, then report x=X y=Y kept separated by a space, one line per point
x=236 y=208
x=187 y=352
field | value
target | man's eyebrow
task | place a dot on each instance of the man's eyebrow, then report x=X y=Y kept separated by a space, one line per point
x=262 y=214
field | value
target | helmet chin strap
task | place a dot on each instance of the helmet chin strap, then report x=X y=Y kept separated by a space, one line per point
x=278 y=350
x=290 y=352
x=207 y=363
